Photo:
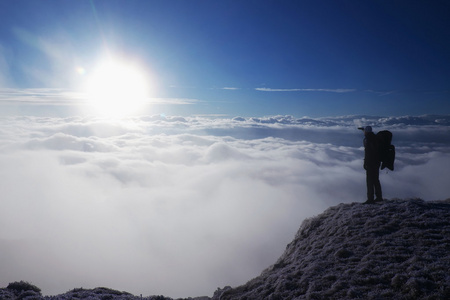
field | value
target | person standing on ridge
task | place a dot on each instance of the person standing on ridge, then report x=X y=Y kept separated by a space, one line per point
x=372 y=166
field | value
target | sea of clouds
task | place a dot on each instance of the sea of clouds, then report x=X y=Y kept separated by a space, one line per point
x=182 y=205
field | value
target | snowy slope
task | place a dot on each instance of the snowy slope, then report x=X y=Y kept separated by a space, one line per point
x=395 y=250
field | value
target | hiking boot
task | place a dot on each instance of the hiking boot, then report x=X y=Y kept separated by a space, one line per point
x=378 y=200
x=369 y=201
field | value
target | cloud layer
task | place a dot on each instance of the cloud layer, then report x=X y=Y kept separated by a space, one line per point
x=179 y=206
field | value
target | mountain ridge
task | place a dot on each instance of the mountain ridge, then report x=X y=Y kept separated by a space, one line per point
x=393 y=250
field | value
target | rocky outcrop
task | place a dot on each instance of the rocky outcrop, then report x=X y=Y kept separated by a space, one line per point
x=394 y=250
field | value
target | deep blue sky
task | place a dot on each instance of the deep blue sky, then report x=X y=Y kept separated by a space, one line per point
x=316 y=58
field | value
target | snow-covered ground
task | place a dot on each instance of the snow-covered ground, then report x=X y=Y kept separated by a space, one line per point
x=399 y=249
x=394 y=250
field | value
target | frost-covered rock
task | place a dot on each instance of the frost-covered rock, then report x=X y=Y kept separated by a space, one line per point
x=79 y=293
x=393 y=250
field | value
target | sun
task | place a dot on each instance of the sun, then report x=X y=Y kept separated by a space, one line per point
x=117 y=87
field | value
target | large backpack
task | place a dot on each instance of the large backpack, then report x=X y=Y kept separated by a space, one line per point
x=386 y=149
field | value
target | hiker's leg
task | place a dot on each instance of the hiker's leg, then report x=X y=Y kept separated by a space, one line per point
x=370 y=184
x=377 y=185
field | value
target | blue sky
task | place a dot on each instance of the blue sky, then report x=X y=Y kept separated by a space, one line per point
x=315 y=58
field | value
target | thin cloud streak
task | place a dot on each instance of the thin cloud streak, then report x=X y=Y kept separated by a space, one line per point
x=54 y=96
x=306 y=90
x=40 y=96
x=230 y=88
x=174 y=101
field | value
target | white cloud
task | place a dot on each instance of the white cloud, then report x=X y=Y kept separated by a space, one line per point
x=173 y=101
x=306 y=90
x=230 y=88
x=40 y=96
x=179 y=206
x=61 y=97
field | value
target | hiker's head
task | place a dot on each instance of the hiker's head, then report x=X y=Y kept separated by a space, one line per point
x=367 y=129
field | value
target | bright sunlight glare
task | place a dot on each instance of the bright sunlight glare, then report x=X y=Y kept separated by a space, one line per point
x=117 y=88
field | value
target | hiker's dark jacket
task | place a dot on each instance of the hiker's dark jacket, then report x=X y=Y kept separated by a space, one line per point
x=371 y=153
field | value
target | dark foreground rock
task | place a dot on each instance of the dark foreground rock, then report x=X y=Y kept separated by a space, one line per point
x=28 y=291
x=398 y=249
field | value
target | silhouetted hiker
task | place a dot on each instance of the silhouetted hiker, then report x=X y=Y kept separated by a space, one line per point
x=372 y=166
